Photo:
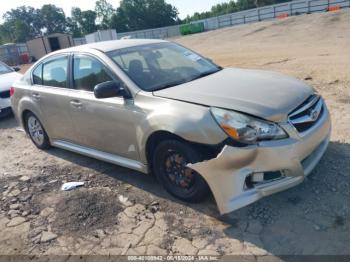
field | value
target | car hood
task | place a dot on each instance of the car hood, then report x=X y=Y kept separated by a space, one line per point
x=6 y=80
x=265 y=94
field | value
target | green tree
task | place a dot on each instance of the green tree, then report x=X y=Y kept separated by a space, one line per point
x=81 y=22
x=53 y=19
x=21 y=24
x=143 y=14
x=88 y=22
x=119 y=21
x=104 y=12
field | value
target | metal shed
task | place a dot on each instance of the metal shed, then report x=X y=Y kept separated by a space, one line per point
x=41 y=46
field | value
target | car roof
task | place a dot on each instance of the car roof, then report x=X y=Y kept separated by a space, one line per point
x=107 y=46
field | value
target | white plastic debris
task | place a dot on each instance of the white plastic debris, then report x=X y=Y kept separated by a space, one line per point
x=124 y=200
x=71 y=185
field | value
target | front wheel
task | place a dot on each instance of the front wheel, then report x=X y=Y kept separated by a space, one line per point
x=36 y=131
x=169 y=165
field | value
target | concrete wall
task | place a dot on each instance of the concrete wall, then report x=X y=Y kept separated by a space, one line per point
x=297 y=7
x=99 y=36
x=79 y=41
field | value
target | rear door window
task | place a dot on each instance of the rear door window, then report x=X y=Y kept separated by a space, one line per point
x=55 y=72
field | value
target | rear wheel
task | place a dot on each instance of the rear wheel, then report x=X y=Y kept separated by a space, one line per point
x=169 y=165
x=36 y=131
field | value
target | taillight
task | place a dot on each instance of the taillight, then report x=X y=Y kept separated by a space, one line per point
x=12 y=91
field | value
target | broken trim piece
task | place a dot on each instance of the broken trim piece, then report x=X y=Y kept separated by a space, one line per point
x=294 y=157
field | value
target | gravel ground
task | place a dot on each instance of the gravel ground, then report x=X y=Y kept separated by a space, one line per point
x=120 y=211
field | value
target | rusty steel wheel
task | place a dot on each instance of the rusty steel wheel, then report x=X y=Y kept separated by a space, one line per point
x=170 y=166
x=177 y=172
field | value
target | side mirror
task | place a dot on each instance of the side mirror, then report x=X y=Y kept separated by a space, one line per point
x=110 y=89
x=16 y=68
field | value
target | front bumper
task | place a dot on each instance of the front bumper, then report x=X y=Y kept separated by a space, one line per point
x=294 y=158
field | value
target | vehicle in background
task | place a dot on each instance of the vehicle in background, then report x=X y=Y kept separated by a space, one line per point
x=8 y=75
x=14 y=54
x=156 y=106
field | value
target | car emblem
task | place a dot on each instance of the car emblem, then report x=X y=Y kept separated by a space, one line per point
x=314 y=114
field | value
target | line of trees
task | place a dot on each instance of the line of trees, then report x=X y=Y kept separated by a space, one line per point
x=24 y=23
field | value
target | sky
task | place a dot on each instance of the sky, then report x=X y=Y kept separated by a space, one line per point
x=185 y=7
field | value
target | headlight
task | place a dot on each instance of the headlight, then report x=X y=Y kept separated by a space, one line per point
x=247 y=129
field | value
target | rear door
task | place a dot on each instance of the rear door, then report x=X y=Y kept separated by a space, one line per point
x=50 y=92
x=104 y=124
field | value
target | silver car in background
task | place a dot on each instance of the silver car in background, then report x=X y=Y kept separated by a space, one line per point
x=155 y=106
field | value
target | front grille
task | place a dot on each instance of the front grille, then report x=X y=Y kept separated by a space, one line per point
x=307 y=114
x=5 y=94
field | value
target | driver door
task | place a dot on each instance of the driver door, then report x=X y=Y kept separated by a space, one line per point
x=103 y=124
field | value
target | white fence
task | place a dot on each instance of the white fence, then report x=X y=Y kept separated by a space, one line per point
x=297 y=7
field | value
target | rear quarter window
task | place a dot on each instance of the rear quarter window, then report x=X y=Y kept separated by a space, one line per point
x=38 y=75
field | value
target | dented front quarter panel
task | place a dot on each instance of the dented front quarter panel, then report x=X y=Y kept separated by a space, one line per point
x=191 y=122
x=295 y=157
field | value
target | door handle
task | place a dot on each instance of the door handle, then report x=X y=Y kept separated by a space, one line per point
x=76 y=103
x=36 y=96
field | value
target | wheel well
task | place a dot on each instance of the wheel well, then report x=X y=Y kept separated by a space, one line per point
x=206 y=151
x=24 y=114
x=154 y=139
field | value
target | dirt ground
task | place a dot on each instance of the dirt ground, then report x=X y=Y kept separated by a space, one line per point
x=120 y=211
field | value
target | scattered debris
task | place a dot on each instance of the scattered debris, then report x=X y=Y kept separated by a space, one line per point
x=84 y=211
x=277 y=62
x=15 y=206
x=47 y=236
x=71 y=185
x=15 y=192
x=334 y=82
x=13 y=213
x=24 y=178
x=125 y=201
x=16 y=221
x=154 y=207
x=25 y=213
x=46 y=212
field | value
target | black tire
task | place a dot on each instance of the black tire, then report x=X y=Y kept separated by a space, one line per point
x=194 y=191
x=45 y=142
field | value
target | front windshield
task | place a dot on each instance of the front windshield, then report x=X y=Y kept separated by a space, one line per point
x=4 y=69
x=162 y=65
